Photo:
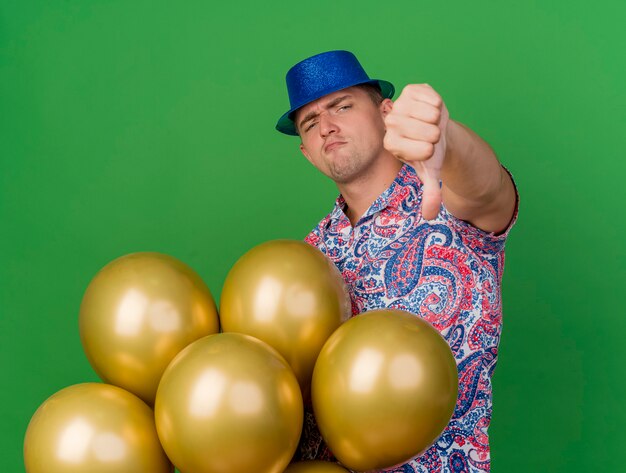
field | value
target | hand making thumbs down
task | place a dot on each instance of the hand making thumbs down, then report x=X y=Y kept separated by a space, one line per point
x=416 y=135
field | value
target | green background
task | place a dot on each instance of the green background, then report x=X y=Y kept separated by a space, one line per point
x=149 y=126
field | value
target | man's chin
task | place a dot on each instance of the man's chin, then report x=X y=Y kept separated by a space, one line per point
x=343 y=167
x=343 y=176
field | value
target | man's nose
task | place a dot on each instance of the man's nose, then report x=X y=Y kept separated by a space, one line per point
x=327 y=125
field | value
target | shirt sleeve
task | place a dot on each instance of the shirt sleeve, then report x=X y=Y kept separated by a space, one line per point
x=480 y=241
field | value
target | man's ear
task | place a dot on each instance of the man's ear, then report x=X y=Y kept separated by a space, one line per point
x=305 y=153
x=386 y=106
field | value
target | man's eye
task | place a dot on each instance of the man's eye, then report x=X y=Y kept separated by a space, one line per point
x=344 y=107
x=311 y=125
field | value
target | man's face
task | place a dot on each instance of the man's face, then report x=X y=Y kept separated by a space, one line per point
x=342 y=133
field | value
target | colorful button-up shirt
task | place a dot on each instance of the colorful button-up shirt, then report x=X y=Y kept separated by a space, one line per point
x=447 y=272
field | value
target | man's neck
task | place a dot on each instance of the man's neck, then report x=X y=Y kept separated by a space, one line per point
x=361 y=194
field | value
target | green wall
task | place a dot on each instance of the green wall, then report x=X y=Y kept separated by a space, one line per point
x=149 y=125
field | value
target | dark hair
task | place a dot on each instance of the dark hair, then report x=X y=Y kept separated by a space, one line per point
x=373 y=90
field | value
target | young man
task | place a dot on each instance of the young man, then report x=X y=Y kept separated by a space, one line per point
x=420 y=225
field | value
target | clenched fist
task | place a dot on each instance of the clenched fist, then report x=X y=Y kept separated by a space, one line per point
x=416 y=135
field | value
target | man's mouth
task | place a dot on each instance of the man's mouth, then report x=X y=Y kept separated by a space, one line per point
x=331 y=146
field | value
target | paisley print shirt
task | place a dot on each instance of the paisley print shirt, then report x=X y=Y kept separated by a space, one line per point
x=447 y=272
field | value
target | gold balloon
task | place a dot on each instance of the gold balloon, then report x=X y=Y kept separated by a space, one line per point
x=95 y=428
x=314 y=467
x=138 y=312
x=288 y=294
x=384 y=388
x=229 y=403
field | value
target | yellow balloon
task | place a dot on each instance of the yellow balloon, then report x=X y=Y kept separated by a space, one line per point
x=137 y=313
x=95 y=428
x=229 y=403
x=384 y=388
x=314 y=467
x=288 y=294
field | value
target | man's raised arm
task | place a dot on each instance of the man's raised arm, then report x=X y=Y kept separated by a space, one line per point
x=475 y=187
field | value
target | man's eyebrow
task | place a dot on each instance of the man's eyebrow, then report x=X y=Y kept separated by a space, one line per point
x=334 y=103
